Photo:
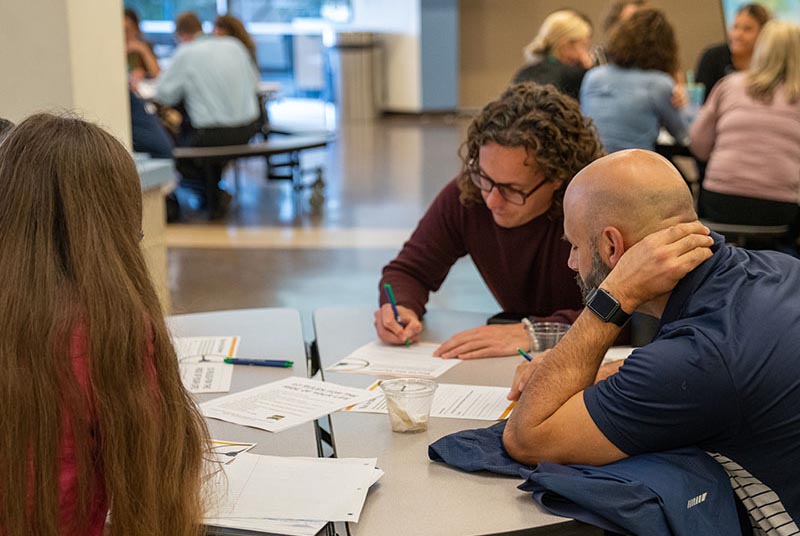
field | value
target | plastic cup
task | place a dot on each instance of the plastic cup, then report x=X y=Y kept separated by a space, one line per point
x=545 y=335
x=408 y=401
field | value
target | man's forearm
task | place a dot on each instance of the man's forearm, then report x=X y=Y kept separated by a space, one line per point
x=567 y=369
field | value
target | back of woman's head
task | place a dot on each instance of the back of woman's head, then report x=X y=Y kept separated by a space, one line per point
x=645 y=41
x=558 y=28
x=775 y=62
x=72 y=267
x=233 y=27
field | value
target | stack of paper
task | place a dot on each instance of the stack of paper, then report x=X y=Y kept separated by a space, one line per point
x=289 y=495
x=380 y=359
x=479 y=402
x=283 y=404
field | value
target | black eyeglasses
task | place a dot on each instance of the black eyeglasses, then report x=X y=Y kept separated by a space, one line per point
x=509 y=193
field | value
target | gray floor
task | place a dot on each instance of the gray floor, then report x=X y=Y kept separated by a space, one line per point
x=379 y=175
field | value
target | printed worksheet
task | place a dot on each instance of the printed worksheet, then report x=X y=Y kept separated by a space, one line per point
x=454 y=401
x=206 y=377
x=202 y=349
x=283 y=404
x=379 y=359
x=292 y=488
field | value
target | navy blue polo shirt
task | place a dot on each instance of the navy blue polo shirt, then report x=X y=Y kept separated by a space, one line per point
x=722 y=374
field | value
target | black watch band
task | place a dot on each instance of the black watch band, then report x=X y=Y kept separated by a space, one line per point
x=606 y=307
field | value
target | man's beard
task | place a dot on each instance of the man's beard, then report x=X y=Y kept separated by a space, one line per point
x=598 y=272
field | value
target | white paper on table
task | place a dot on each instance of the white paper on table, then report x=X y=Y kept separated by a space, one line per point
x=290 y=527
x=454 y=401
x=295 y=488
x=206 y=377
x=283 y=404
x=215 y=349
x=615 y=353
x=380 y=359
x=226 y=451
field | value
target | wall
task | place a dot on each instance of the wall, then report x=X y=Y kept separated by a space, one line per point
x=493 y=32
x=64 y=55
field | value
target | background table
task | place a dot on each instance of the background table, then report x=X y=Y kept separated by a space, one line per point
x=265 y=333
x=417 y=496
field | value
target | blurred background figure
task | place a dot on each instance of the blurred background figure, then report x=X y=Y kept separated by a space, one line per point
x=631 y=98
x=142 y=62
x=735 y=55
x=559 y=54
x=5 y=127
x=749 y=131
x=617 y=12
x=233 y=27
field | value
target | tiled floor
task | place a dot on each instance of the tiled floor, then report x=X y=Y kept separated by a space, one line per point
x=273 y=251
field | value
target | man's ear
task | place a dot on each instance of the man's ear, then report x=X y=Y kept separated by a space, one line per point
x=611 y=246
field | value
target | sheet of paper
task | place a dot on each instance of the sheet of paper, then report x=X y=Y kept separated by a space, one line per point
x=226 y=451
x=295 y=488
x=283 y=404
x=197 y=349
x=206 y=377
x=615 y=353
x=454 y=401
x=379 y=359
x=289 y=527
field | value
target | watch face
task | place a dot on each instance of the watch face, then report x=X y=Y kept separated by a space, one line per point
x=603 y=304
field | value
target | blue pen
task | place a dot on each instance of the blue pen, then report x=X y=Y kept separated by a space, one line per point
x=525 y=354
x=393 y=302
x=260 y=362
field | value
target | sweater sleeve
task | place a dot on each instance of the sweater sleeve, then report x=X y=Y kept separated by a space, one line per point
x=668 y=115
x=426 y=258
x=704 y=129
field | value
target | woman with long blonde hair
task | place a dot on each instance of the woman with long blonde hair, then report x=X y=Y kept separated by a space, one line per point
x=95 y=417
x=559 y=54
x=749 y=131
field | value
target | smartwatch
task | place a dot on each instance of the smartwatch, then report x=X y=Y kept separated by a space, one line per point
x=606 y=307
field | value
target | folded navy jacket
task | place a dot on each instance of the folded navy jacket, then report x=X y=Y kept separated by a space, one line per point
x=679 y=492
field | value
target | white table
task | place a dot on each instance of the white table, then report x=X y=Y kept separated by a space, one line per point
x=417 y=496
x=266 y=333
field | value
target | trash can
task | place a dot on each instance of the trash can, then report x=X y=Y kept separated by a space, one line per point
x=352 y=65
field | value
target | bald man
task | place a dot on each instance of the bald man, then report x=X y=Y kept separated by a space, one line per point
x=722 y=373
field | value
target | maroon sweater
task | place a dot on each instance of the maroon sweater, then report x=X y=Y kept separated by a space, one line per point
x=525 y=267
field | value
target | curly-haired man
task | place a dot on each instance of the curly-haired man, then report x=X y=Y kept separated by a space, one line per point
x=504 y=210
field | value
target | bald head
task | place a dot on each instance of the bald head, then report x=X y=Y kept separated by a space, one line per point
x=638 y=192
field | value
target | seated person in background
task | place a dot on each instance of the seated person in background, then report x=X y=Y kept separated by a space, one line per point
x=722 y=373
x=142 y=62
x=617 y=12
x=215 y=79
x=228 y=25
x=632 y=97
x=721 y=60
x=148 y=134
x=91 y=392
x=504 y=210
x=749 y=131
x=559 y=54
x=5 y=128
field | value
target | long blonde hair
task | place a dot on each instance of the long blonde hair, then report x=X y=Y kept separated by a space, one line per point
x=776 y=62
x=71 y=266
x=558 y=28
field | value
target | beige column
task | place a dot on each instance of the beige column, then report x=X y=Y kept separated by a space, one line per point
x=69 y=55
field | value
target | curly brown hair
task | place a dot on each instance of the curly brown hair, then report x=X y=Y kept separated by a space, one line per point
x=644 y=41
x=547 y=123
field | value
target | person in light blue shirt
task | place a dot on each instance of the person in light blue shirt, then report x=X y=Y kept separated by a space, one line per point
x=630 y=99
x=213 y=76
x=216 y=82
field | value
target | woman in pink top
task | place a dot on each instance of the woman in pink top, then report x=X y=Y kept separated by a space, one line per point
x=94 y=415
x=749 y=130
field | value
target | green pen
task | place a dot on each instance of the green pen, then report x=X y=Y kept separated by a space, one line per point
x=393 y=302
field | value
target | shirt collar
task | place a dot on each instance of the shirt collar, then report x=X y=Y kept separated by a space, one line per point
x=692 y=281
